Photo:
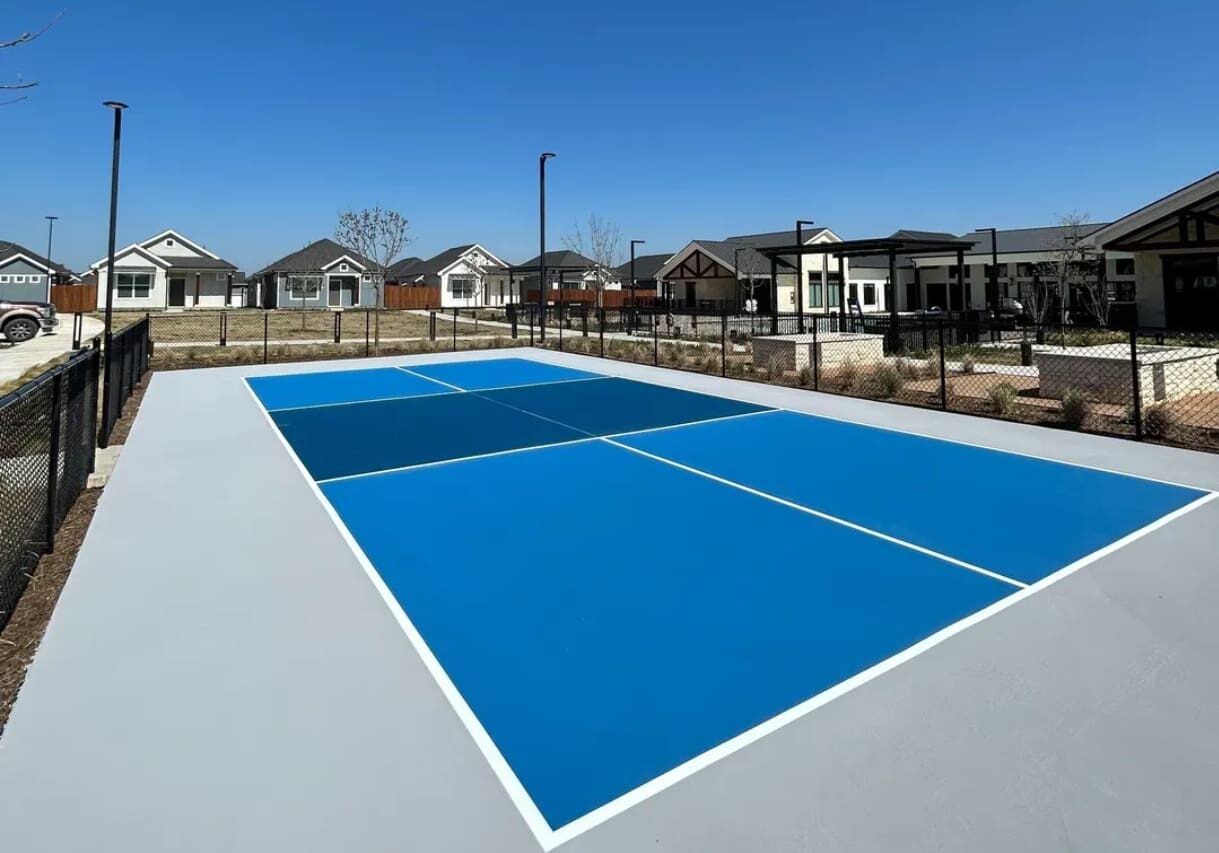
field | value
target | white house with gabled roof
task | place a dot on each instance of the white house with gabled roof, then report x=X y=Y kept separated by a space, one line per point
x=169 y=271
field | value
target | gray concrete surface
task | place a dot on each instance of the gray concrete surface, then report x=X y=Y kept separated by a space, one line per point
x=215 y=679
x=16 y=359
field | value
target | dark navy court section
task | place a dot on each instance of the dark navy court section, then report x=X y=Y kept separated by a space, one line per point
x=339 y=386
x=359 y=438
x=937 y=494
x=599 y=671
x=498 y=373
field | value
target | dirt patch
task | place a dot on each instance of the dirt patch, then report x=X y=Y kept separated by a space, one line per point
x=21 y=636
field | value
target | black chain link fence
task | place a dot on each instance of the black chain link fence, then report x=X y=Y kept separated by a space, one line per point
x=47 y=432
x=1151 y=384
x=127 y=356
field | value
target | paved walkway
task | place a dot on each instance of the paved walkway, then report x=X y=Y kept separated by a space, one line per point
x=16 y=359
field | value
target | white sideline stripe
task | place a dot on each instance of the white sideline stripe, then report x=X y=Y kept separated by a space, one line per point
x=671 y=777
x=512 y=785
x=432 y=393
x=898 y=430
x=588 y=437
x=550 y=839
x=859 y=528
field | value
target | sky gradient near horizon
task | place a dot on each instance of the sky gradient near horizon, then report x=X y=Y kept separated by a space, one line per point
x=252 y=125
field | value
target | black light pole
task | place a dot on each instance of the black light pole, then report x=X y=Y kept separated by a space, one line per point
x=634 y=243
x=118 y=107
x=542 y=242
x=992 y=297
x=800 y=223
x=50 y=269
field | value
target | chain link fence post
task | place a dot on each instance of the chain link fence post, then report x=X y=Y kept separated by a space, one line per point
x=724 y=343
x=1136 y=406
x=943 y=371
x=266 y=336
x=655 y=340
x=454 y=329
x=367 y=333
x=816 y=353
x=53 y=460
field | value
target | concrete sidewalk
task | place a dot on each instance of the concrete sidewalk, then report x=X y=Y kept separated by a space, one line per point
x=16 y=359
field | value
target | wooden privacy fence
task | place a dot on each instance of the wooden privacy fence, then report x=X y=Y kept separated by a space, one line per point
x=609 y=298
x=401 y=296
x=74 y=298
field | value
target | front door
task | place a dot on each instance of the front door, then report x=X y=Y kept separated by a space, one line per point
x=335 y=298
x=689 y=300
x=1191 y=291
x=177 y=293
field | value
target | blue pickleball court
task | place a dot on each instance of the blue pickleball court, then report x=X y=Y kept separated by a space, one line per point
x=597 y=664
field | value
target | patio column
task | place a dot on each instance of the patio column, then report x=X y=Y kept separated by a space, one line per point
x=198 y=276
x=895 y=339
x=965 y=288
x=228 y=291
x=842 y=297
x=774 y=295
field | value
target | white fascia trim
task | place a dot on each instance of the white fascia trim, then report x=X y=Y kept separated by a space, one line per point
x=190 y=244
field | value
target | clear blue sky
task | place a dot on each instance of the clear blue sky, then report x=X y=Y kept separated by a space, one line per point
x=253 y=124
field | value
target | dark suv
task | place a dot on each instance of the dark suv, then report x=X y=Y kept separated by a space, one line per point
x=21 y=321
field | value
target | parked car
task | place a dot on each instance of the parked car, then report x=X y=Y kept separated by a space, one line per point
x=21 y=321
x=1011 y=314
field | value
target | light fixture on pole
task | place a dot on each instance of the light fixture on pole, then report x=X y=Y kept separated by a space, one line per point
x=546 y=155
x=118 y=107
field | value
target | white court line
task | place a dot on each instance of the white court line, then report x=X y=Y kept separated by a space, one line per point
x=499 y=765
x=859 y=528
x=549 y=838
x=588 y=437
x=898 y=430
x=671 y=777
x=454 y=390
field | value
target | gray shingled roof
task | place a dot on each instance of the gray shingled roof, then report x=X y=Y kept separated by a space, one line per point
x=8 y=249
x=751 y=260
x=561 y=258
x=397 y=267
x=1025 y=239
x=430 y=269
x=197 y=263
x=646 y=267
x=313 y=258
x=776 y=238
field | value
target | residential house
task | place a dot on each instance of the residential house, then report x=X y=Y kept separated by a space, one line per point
x=732 y=273
x=646 y=268
x=321 y=275
x=26 y=276
x=1173 y=246
x=564 y=268
x=466 y=276
x=167 y=271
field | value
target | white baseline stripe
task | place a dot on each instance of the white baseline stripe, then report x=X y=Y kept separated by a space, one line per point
x=499 y=765
x=672 y=777
x=859 y=528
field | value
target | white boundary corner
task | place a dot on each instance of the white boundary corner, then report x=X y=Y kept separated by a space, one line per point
x=550 y=838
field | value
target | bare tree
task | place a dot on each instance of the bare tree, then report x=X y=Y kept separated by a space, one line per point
x=20 y=84
x=602 y=245
x=1075 y=268
x=377 y=234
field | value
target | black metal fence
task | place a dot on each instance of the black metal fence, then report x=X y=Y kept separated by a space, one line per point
x=1140 y=383
x=47 y=431
x=126 y=363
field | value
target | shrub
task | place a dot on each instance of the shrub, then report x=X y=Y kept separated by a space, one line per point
x=967 y=363
x=711 y=364
x=848 y=374
x=774 y=367
x=910 y=369
x=889 y=379
x=1002 y=397
x=1159 y=421
x=1074 y=408
x=736 y=368
x=805 y=375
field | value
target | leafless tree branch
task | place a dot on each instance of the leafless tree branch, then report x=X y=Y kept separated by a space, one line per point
x=602 y=244
x=24 y=38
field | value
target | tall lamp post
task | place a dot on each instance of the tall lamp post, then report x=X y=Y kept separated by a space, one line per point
x=546 y=155
x=800 y=223
x=118 y=107
x=634 y=243
x=50 y=269
x=992 y=281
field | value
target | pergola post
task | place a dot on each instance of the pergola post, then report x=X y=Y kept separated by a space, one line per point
x=842 y=297
x=774 y=295
x=965 y=297
x=895 y=338
x=918 y=289
x=800 y=294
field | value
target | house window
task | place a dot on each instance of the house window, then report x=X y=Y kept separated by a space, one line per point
x=462 y=286
x=869 y=294
x=366 y=278
x=854 y=292
x=133 y=285
x=18 y=279
x=220 y=276
x=1123 y=266
x=3 y=279
x=304 y=286
x=169 y=241
x=1002 y=270
x=814 y=289
x=1024 y=270
x=343 y=267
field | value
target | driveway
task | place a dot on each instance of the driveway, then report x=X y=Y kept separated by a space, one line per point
x=16 y=359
